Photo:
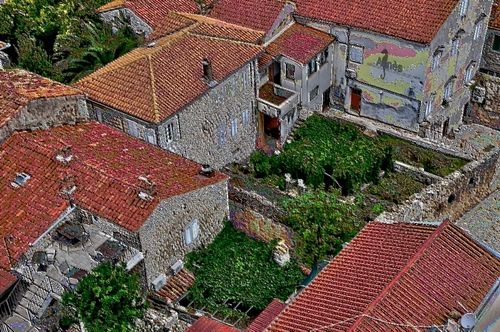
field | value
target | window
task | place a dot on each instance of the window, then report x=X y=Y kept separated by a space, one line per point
x=454 y=46
x=311 y=67
x=463 y=7
x=356 y=54
x=191 y=232
x=436 y=59
x=169 y=132
x=428 y=108
x=263 y=73
x=323 y=57
x=132 y=128
x=496 y=43
x=234 y=127
x=290 y=71
x=448 y=89
x=313 y=93
x=477 y=30
x=469 y=73
x=150 y=136
x=222 y=136
x=245 y=117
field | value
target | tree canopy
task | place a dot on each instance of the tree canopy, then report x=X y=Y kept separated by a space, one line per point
x=107 y=299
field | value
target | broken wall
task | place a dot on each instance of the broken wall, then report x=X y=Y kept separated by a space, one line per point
x=487 y=113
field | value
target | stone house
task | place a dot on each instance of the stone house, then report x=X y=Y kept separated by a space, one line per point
x=490 y=61
x=144 y=16
x=402 y=66
x=29 y=101
x=296 y=70
x=404 y=276
x=197 y=103
x=156 y=203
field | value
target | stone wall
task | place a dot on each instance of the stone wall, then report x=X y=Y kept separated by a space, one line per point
x=120 y=16
x=490 y=59
x=206 y=125
x=46 y=113
x=488 y=112
x=417 y=174
x=454 y=195
x=162 y=235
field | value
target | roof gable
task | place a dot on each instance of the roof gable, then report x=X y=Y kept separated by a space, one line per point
x=415 y=20
x=389 y=271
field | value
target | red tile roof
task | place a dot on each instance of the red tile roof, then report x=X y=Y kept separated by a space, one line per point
x=300 y=43
x=494 y=18
x=105 y=168
x=177 y=285
x=266 y=317
x=204 y=324
x=154 y=11
x=207 y=27
x=264 y=60
x=19 y=87
x=152 y=83
x=415 y=20
x=255 y=14
x=6 y=279
x=405 y=274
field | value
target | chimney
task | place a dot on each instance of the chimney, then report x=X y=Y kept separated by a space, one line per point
x=208 y=77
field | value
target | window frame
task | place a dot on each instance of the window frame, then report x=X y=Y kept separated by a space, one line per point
x=436 y=59
x=191 y=232
x=448 y=90
x=292 y=75
x=361 y=54
x=245 y=117
x=311 y=93
x=234 y=127
x=496 y=39
x=169 y=132
x=310 y=66
x=222 y=135
x=464 y=6
x=469 y=72
x=477 y=30
x=323 y=57
x=428 y=107
x=454 y=45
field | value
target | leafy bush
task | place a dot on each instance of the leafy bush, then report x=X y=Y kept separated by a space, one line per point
x=323 y=150
x=395 y=187
x=237 y=268
x=321 y=222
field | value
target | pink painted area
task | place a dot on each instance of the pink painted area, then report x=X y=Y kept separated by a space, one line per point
x=392 y=49
x=367 y=96
x=395 y=104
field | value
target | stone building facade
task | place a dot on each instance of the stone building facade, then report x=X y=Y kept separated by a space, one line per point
x=411 y=75
x=490 y=61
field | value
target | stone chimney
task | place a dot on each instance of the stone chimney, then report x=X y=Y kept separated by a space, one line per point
x=208 y=76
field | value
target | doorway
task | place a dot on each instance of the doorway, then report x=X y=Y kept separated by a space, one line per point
x=355 y=99
x=445 y=127
x=326 y=99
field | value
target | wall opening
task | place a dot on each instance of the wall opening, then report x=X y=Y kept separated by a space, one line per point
x=355 y=99
x=451 y=198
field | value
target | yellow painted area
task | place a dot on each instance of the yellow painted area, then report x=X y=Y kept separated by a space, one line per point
x=389 y=118
x=451 y=66
x=394 y=102
x=372 y=97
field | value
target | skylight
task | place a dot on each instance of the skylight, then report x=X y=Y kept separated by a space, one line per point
x=20 y=179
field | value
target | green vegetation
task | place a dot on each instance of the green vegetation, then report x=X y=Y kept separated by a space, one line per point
x=50 y=36
x=237 y=268
x=395 y=188
x=107 y=299
x=431 y=161
x=327 y=153
x=322 y=222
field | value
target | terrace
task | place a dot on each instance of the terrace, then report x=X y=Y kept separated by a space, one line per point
x=276 y=101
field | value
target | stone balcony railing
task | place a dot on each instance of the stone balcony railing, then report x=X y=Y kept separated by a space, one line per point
x=276 y=101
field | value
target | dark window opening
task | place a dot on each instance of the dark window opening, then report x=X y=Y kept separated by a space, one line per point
x=451 y=198
x=496 y=43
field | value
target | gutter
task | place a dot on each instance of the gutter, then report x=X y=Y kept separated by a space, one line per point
x=55 y=224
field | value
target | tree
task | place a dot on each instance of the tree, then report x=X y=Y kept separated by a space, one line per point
x=32 y=57
x=107 y=299
x=322 y=222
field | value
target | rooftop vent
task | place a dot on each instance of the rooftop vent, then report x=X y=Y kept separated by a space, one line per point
x=64 y=155
x=177 y=267
x=206 y=170
x=147 y=189
x=20 y=180
x=153 y=44
x=145 y=196
x=159 y=282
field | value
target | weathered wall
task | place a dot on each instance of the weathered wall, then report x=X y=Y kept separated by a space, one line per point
x=162 y=235
x=284 y=18
x=417 y=174
x=119 y=16
x=490 y=59
x=488 y=112
x=454 y=195
x=202 y=123
x=46 y=113
x=452 y=68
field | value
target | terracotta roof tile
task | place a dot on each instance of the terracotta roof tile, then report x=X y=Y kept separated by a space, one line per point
x=299 y=43
x=177 y=285
x=264 y=60
x=111 y=5
x=401 y=273
x=255 y=14
x=415 y=20
x=127 y=83
x=494 y=18
x=266 y=317
x=19 y=87
x=6 y=279
x=105 y=168
x=205 y=324
x=171 y=23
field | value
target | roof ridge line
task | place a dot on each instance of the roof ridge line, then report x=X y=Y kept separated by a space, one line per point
x=225 y=39
x=401 y=273
x=153 y=91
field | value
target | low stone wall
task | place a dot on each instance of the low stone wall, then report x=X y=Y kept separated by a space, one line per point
x=255 y=202
x=417 y=174
x=454 y=195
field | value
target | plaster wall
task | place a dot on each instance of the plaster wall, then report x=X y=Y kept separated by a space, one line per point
x=120 y=16
x=284 y=18
x=162 y=235
x=490 y=60
x=46 y=113
x=204 y=132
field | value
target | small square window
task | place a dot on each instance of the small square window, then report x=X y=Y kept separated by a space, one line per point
x=234 y=127
x=191 y=232
x=132 y=128
x=169 y=132
x=222 y=135
x=314 y=93
x=245 y=117
x=290 y=71
x=496 y=43
x=356 y=54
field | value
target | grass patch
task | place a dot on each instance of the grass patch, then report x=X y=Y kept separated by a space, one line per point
x=430 y=160
x=237 y=268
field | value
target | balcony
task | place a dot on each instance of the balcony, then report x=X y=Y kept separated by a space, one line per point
x=276 y=101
